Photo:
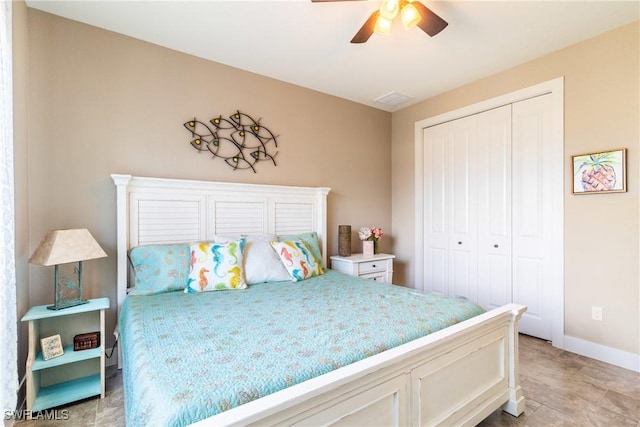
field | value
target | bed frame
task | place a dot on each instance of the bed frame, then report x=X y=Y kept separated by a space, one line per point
x=457 y=376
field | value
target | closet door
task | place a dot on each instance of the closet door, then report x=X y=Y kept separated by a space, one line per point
x=494 y=207
x=449 y=208
x=532 y=214
x=435 y=199
x=462 y=208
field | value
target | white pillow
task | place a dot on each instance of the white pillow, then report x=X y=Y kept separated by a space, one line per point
x=261 y=263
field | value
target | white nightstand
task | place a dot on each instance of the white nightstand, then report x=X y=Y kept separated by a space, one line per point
x=375 y=267
x=76 y=374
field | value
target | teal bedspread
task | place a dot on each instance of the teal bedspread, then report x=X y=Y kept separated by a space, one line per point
x=191 y=356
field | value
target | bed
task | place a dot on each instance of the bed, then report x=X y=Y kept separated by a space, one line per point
x=328 y=349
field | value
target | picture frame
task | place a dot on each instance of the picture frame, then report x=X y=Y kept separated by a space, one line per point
x=51 y=347
x=599 y=172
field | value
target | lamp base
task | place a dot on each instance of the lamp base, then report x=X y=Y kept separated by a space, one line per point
x=67 y=304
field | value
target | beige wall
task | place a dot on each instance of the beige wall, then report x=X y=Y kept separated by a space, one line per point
x=101 y=103
x=601 y=232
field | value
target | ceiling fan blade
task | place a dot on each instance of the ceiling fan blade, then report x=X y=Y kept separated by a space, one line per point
x=366 y=30
x=430 y=23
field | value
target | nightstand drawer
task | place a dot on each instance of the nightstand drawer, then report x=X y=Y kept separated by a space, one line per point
x=376 y=277
x=372 y=266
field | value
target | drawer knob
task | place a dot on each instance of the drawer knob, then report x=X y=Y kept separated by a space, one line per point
x=373 y=265
x=459 y=243
x=495 y=246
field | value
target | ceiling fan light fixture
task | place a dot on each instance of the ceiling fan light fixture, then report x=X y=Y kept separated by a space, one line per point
x=409 y=15
x=383 y=26
x=389 y=9
x=412 y=13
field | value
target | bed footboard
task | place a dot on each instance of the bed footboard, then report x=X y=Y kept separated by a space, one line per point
x=456 y=376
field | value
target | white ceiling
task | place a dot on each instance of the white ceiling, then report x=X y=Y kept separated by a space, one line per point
x=307 y=43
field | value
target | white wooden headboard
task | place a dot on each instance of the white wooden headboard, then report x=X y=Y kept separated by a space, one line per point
x=159 y=210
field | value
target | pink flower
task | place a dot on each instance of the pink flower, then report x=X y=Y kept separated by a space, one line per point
x=377 y=233
x=370 y=233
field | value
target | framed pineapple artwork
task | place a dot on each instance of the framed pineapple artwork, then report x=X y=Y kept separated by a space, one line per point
x=602 y=172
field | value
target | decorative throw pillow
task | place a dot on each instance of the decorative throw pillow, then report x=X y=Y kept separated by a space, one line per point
x=311 y=239
x=159 y=268
x=216 y=266
x=261 y=264
x=297 y=258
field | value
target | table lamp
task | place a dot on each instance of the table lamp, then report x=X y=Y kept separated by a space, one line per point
x=62 y=247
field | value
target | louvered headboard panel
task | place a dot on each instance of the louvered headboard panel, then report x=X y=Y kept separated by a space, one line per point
x=157 y=220
x=238 y=217
x=157 y=210
x=292 y=218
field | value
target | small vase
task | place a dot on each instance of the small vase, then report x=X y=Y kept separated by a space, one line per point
x=367 y=247
x=344 y=240
x=376 y=247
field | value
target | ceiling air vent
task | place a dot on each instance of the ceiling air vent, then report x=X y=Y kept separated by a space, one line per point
x=393 y=99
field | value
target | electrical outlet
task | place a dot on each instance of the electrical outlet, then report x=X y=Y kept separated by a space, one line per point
x=596 y=313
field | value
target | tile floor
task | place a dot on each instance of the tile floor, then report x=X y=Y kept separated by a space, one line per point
x=566 y=389
x=561 y=389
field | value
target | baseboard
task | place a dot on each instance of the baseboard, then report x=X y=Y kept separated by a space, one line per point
x=613 y=356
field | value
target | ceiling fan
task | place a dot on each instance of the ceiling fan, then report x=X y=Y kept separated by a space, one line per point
x=412 y=13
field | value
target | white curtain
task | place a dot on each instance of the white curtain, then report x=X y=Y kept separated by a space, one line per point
x=8 y=319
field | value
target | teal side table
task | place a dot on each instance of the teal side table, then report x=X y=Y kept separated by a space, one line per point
x=75 y=375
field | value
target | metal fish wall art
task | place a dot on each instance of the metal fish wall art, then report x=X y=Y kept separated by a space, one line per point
x=239 y=140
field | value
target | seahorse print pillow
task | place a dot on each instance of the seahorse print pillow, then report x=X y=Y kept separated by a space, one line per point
x=311 y=240
x=298 y=259
x=216 y=266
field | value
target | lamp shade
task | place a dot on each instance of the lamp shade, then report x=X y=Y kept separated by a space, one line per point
x=65 y=246
x=410 y=16
x=389 y=9
x=382 y=26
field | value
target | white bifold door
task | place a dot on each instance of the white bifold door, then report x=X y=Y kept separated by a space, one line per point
x=486 y=209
